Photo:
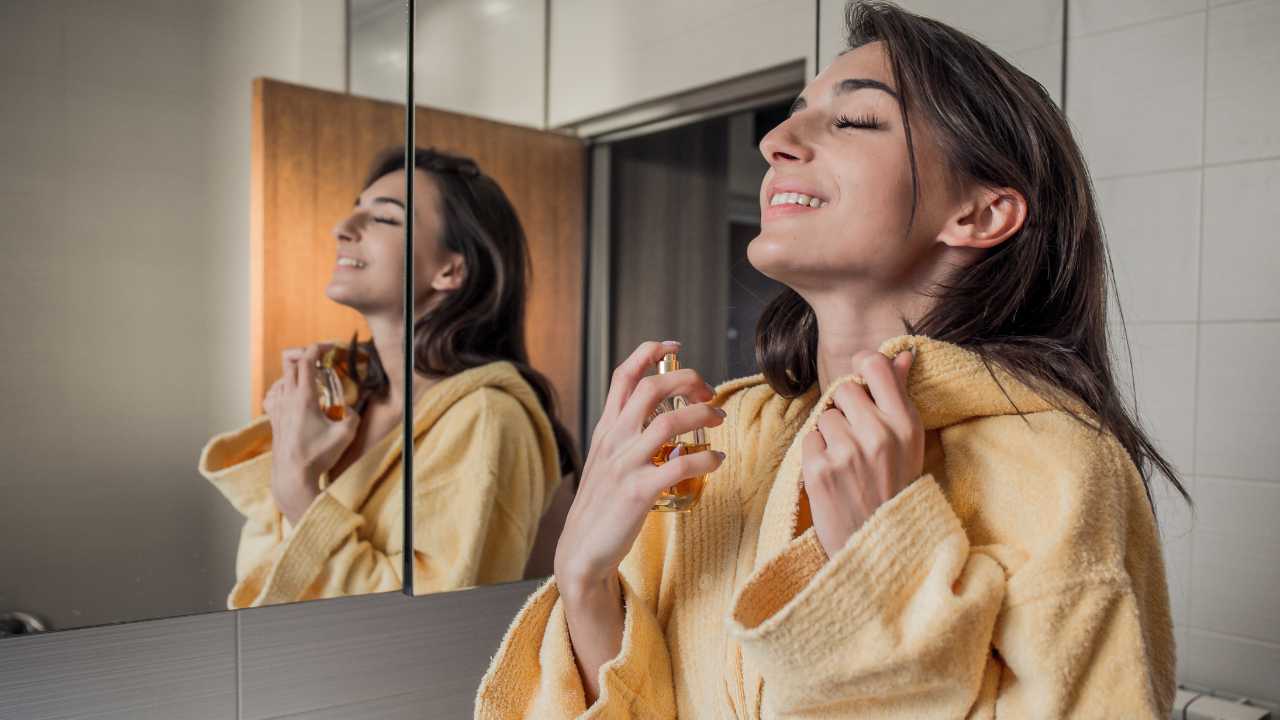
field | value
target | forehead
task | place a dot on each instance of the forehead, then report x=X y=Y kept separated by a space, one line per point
x=392 y=185
x=869 y=62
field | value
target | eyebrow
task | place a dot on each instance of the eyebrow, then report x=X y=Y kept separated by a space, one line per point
x=391 y=200
x=845 y=87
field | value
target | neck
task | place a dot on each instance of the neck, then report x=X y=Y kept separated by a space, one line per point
x=860 y=318
x=388 y=338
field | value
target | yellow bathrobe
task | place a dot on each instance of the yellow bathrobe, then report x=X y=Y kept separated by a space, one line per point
x=1019 y=576
x=485 y=469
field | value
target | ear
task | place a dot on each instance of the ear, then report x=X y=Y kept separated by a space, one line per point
x=451 y=275
x=987 y=218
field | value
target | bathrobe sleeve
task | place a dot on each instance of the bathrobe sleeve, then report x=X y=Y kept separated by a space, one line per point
x=909 y=619
x=480 y=485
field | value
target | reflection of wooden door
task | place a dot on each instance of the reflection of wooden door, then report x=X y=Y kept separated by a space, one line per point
x=311 y=151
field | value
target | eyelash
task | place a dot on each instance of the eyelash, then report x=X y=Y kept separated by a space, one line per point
x=387 y=221
x=867 y=122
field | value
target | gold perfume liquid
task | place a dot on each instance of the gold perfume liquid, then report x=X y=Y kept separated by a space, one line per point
x=333 y=367
x=684 y=494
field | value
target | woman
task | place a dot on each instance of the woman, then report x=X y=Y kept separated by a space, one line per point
x=323 y=498
x=950 y=522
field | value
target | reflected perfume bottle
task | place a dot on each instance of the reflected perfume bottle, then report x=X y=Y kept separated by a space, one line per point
x=332 y=367
x=683 y=495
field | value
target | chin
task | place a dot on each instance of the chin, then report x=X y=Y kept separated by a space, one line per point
x=771 y=255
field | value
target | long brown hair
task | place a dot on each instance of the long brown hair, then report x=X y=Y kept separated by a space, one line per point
x=482 y=321
x=1034 y=304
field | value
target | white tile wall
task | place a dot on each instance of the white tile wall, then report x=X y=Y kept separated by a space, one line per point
x=1093 y=16
x=1135 y=96
x=1154 y=221
x=1189 y=207
x=1242 y=112
x=1164 y=373
x=607 y=55
x=1242 y=241
x=1238 y=401
x=478 y=57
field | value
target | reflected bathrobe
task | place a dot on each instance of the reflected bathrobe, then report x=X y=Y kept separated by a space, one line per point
x=485 y=469
x=1019 y=576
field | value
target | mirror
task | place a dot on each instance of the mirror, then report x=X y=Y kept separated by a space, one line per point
x=174 y=175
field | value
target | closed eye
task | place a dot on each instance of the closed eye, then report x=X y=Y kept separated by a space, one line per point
x=867 y=122
x=386 y=221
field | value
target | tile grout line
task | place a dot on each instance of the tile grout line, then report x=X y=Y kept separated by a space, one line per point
x=1195 y=382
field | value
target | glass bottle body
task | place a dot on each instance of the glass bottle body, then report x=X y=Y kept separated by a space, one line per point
x=683 y=495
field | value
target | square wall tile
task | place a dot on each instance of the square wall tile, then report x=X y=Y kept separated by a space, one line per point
x=1242 y=507
x=1238 y=401
x=1241 y=253
x=1152 y=224
x=1236 y=665
x=173 y=669
x=1235 y=585
x=1164 y=367
x=1242 y=113
x=1045 y=65
x=1093 y=16
x=1135 y=96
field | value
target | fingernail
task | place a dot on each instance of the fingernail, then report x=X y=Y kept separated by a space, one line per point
x=720 y=412
x=718 y=454
x=671 y=342
x=709 y=388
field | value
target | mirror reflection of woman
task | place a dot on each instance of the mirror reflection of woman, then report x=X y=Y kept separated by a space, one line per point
x=953 y=522
x=322 y=498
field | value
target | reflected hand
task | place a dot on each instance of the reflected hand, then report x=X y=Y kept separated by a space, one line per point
x=619 y=482
x=864 y=451
x=305 y=443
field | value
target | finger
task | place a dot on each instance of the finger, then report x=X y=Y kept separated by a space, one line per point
x=852 y=399
x=627 y=375
x=680 y=468
x=902 y=363
x=882 y=382
x=307 y=370
x=837 y=436
x=684 y=420
x=288 y=364
x=813 y=446
x=652 y=390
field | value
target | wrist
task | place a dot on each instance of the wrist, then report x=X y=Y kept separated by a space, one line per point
x=585 y=592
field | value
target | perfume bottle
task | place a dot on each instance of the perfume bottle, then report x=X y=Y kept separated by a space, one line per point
x=332 y=367
x=683 y=495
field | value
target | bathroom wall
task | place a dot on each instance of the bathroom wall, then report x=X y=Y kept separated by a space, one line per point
x=1176 y=106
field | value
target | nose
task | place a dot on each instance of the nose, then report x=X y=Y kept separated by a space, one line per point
x=785 y=143
x=347 y=229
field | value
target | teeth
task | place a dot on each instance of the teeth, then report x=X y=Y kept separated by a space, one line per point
x=350 y=262
x=790 y=198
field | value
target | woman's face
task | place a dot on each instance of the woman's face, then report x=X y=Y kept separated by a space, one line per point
x=843 y=154
x=369 y=272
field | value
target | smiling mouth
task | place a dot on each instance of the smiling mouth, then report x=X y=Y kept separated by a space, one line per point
x=350 y=262
x=790 y=198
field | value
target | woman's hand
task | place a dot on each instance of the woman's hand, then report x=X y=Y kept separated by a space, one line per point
x=618 y=488
x=304 y=442
x=619 y=482
x=863 y=451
